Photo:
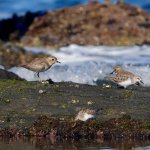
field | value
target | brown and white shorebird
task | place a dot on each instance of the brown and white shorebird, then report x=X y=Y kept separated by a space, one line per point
x=86 y=114
x=124 y=78
x=40 y=64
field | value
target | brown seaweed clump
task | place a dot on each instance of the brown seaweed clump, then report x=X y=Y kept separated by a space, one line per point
x=124 y=127
x=92 y=24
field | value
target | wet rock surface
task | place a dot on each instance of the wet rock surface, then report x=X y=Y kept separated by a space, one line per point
x=94 y=24
x=26 y=111
x=8 y=75
x=48 y=110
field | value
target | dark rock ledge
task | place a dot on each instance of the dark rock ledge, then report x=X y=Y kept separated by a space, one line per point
x=8 y=75
x=35 y=109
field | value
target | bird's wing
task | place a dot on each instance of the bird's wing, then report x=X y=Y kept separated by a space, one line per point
x=117 y=79
x=127 y=73
x=35 y=66
x=34 y=61
x=37 y=60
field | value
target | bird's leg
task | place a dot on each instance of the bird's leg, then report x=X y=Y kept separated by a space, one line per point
x=42 y=81
x=38 y=75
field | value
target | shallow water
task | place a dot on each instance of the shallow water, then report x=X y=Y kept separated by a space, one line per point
x=9 y=7
x=47 y=144
x=89 y=64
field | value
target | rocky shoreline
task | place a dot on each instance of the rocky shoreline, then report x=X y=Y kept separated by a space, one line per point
x=43 y=110
x=48 y=110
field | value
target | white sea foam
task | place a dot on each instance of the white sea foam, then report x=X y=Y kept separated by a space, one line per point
x=87 y=64
x=2 y=67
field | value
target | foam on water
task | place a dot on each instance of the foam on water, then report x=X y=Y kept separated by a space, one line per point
x=88 y=64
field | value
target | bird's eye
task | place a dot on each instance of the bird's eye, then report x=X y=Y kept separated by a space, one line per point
x=53 y=59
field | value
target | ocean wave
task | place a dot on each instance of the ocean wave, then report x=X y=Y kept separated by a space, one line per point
x=88 y=64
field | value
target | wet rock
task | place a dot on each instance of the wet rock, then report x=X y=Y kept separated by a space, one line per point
x=8 y=75
x=24 y=111
x=21 y=100
x=123 y=127
x=113 y=129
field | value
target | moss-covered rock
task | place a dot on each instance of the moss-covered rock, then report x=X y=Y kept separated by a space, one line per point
x=21 y=104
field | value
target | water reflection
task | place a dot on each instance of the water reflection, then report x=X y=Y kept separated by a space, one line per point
x=47 y=144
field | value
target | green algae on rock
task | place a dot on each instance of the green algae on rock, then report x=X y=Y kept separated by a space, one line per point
x=124 y=112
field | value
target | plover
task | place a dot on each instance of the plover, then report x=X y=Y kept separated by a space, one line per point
x=124 y=78
x=86 y=114
x=40 y=64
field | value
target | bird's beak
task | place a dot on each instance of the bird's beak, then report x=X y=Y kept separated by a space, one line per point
x=58 y=61
x=112 y=72
x=141 y=81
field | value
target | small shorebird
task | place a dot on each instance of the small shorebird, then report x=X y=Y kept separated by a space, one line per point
x=124 y=78
x=86 y=114
x=40 y=64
